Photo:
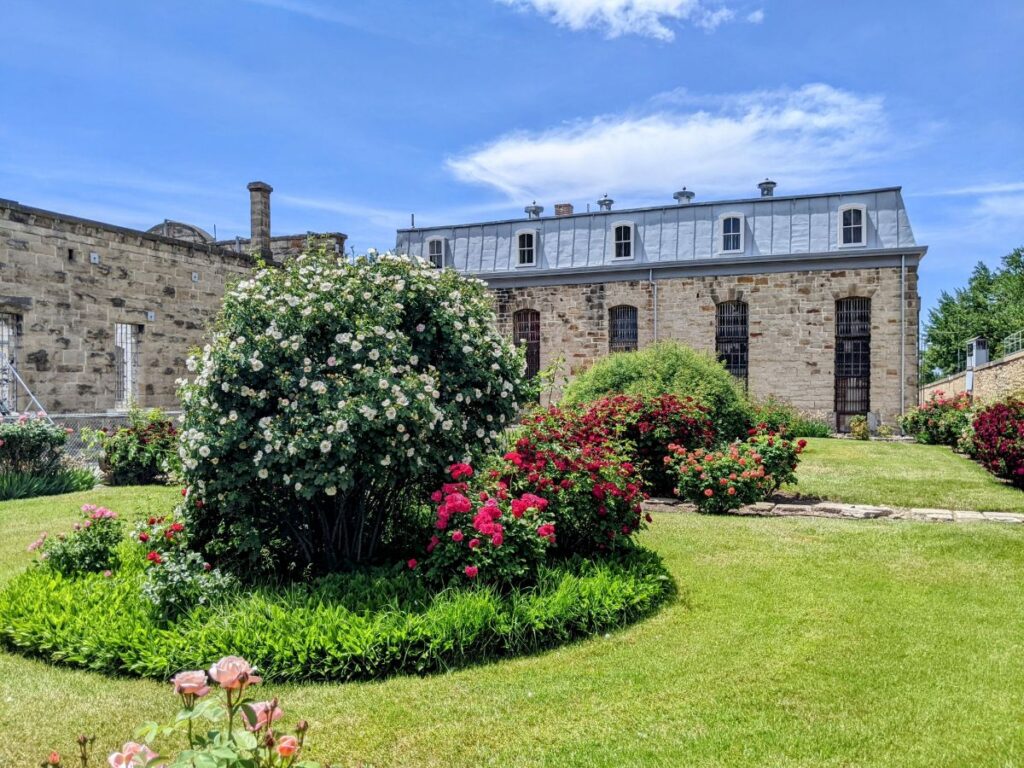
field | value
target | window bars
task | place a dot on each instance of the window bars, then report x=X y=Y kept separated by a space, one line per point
x=526 y=333
x=732 y=337
x=9 y=358
x=126 y=364
x=622 y=332
x=853 y=360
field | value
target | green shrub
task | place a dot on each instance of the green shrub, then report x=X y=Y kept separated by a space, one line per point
x=859 y=429
x=21 y=485
x=31 y=446
x=778 y=454
x=668 y=368
x=940 y=420
x=142 y=453
x=329 y=402
x=779 y=416
x=89 y=548
x=360 y=625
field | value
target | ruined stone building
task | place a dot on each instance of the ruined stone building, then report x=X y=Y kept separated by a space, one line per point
x=94 y=316
x=812 y=298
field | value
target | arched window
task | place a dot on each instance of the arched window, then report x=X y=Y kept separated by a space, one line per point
x=853 y=360
x=526 y=333
x=435 y=252
x=623 y=238
x=527 y=242
x=851 y=225
x=622 y=335
x=732 y=337
x=732 y=232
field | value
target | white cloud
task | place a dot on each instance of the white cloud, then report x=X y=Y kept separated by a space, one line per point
x=648 y=18
x=994 y=188
x=803 y=138
x=755 y=17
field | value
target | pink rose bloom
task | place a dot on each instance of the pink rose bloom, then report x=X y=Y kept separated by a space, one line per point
x=107 y=574
x=472 y=571
x=263 y=714
x=132 y=755
x=412 y=563
x=234 y=673
x=193 y=683
x=287 y=746
x=474 y=543
x=457 y=536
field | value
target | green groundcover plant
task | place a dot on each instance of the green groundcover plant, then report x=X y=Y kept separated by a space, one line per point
x=25 y=485
x=365 y=624
x=329 y=402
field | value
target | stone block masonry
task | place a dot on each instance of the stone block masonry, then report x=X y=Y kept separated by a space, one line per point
x=66 y=282
x=993 y=381
x=792 y=327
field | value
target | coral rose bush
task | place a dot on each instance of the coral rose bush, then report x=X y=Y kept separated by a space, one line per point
x=780 y=455
x=720 y=480
x=331 y=397
x=940 y=420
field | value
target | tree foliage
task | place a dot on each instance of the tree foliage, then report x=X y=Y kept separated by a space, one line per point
x=991 y=305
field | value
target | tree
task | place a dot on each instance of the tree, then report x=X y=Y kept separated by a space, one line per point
x=991 y=306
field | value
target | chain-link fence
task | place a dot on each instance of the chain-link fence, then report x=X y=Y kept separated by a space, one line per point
x=1013 y=343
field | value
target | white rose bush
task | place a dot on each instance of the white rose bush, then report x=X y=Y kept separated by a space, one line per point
x=330 y=399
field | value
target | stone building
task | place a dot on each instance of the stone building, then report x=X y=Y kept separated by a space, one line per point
x=94 y=316
x=811 y=298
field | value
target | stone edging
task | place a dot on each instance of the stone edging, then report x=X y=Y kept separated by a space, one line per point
x=831 y=509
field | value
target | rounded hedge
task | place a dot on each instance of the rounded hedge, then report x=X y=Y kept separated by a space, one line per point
x=362 y=625
x=332 y=396
x=668 y=367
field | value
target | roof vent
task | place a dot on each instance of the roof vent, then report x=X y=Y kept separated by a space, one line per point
x=683 y=196
x=533 y=210
x=563 y=209
x=605 y=203
x=767 y=188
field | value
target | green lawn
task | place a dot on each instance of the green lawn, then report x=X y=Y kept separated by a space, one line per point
x=794 y=642
x=901 y=475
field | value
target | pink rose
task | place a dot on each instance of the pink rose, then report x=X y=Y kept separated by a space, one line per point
x=262 y=715
x=233 y=673
x=472 y=571
x=287 y=746
x=412 y=563
x=192 y=683
x=132 y=755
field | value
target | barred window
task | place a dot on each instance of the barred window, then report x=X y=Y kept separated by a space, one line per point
x=622 y=333
x=526 y=333
x=435 y=252
x=126 y=364
x=9 y=355
x=853 y=360
x=732 y=337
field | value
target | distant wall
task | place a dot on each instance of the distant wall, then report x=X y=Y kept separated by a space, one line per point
x=992 y=381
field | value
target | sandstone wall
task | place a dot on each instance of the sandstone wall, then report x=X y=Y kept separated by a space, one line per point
x=68 y=305
x=992 y=381
x=792 y=327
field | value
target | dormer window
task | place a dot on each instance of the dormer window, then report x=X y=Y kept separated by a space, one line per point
x=526 y=248
x=622 y=236
x=732 y=232
x=435 y=252
x=851 y=225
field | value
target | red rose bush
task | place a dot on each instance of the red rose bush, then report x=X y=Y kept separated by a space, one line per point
x=998 y=441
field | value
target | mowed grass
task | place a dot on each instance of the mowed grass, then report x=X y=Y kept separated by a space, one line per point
x=794 y=642
x=901 y=475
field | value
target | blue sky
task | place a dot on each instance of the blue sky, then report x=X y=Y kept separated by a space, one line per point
x=360 y=113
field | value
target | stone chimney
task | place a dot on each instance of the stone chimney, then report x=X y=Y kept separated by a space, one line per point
x=259 y=218
x=767 y=188
x=563 y=209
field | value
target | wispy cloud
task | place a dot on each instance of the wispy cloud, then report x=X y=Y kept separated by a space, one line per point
x=804 y=138
x=312 y=10
x=994 y=188
x=647 y=18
